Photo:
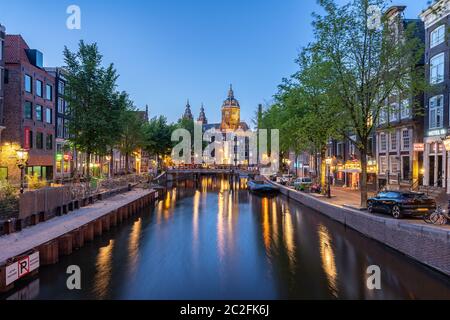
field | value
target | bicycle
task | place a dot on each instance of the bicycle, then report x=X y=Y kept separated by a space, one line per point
x=438 y=217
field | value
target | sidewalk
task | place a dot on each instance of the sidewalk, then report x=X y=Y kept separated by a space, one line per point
x=344 y=197
x=17 y=243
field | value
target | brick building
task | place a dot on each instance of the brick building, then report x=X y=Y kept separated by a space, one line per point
x=29 y=106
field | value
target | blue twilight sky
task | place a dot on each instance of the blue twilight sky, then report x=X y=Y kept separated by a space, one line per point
x=167 y=51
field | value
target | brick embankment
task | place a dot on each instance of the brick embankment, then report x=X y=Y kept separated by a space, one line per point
x=425 y=243
x=61 y=235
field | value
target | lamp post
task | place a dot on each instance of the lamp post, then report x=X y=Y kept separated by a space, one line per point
x=22 y=159
x=328 y=162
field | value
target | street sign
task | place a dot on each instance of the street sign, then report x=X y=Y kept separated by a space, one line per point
x=419 y=147
x=22 y=267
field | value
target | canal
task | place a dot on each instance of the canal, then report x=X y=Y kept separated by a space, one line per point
x=215 y=240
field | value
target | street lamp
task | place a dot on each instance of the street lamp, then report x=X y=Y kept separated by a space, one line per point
x=22 y=160
x=329 y=162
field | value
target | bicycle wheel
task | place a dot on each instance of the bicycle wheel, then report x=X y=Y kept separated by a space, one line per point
x=427 y=219
x=435 y=218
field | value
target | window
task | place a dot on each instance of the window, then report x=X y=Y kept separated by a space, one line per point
x=406 y=141
x=66 y=129
x=28 y=110
x=406 y=171
x=436 y=112
x=49 y=92
x=39 y=88
x=383 y=165
x=437 y=69
x=48 y=115
x=39 y=140
x=405 y=111
x=394 y=112
x=61 y=105
x=28 y=139
x=60 y=87
x=1 y=49
x=59 y=128
x=49 y=142
x=39 y=113
x=394 y=141
x=437 y=36
x=395 y=168
x=28 y=85
x=383 y=116
x=383 y=142
x=340 y=149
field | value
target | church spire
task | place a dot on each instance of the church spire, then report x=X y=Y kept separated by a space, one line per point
x=202 y=117
x=231 y=92
x=187 y=112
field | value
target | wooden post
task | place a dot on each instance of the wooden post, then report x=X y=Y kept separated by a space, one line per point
x=98 y=227
x=88 y=231
x=78 y=238
x=48 y=253
x=65 y=245
x=106 y=223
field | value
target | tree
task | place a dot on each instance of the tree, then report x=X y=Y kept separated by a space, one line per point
x=369 y=65
x=94 y=106
x=304 y=112
x=158 y=137
x=132 y=134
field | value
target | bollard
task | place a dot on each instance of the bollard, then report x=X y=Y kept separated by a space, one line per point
x=34 y=219
x=48 y=253
x=8 y=227
x=65 y=245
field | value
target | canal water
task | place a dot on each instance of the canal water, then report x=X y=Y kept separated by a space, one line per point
x=215 y=240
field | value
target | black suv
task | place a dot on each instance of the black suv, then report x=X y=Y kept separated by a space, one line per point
x=400 y=203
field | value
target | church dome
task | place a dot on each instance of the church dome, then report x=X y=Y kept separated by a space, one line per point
x=231 y=101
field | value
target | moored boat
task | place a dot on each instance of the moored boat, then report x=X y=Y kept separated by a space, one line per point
x=261 y=186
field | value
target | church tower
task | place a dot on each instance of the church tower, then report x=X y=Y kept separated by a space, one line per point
x=202 y=117
x=231 y=112
x=187 y=112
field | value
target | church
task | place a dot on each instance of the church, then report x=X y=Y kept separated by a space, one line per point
x=233 y=130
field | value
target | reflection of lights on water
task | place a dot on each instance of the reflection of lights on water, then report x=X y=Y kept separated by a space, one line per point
x=133 y=245
x=288 y=236
x=104 y=270
x=220 y=228
x=328 y=259
x=266 y=223
x=195 y=210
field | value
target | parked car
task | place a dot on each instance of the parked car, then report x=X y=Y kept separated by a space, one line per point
x=401 y=203
x=302 y=184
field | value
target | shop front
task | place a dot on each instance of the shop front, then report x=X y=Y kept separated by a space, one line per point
x=436 y=164
x=348 y=174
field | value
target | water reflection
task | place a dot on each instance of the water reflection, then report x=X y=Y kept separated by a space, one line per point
x=133 y=246
x=328 y=260
x=212 y=239
x=104 y=271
